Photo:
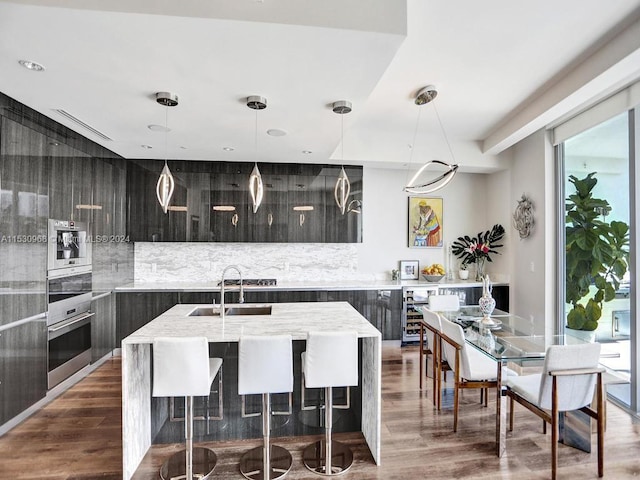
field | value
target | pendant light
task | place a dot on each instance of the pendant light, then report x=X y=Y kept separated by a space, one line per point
x=256 y=187
x=166 y=183
x=417 y=184
x=343 y=185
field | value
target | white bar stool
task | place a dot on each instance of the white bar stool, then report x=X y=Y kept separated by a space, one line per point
x=330 y=360
x=265 y=366
x=182 y=368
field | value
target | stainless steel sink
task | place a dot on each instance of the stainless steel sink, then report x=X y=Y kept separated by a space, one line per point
x=249 y=310
x=205 y=312
x=209 y=311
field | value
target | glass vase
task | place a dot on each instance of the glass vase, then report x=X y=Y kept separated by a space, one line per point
x=480 y=269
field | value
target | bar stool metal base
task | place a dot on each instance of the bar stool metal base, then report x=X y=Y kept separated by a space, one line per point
x=251 y=463
x=314 y=457
x=204 y=461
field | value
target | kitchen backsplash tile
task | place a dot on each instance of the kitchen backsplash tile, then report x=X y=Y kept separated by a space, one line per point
x=198 y=262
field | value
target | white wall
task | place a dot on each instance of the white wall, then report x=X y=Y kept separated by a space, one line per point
x=385 y=229
x=533 y=273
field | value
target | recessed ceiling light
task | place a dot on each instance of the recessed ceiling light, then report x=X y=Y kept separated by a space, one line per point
x=146 y=146
x=54 y=143
x=36 y=67
x=158 y=128
x=228 y=149
x=307 y=152
x=303 y=208
x=276 y=132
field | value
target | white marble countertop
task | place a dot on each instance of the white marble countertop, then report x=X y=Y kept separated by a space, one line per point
x=295 y=319
x=307 y=285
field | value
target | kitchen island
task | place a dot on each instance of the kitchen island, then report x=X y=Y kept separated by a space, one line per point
x=295 y=319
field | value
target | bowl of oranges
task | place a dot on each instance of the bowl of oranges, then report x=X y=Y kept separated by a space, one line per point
x=433 y=273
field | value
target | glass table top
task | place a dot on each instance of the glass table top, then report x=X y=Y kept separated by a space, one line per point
x=510 y=338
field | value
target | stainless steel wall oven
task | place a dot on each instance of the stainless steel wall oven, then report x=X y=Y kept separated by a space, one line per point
x=69 y=292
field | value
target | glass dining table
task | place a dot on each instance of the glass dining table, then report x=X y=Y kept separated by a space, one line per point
x=511 y=342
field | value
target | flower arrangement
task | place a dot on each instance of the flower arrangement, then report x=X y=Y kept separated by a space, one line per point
x=478 y=249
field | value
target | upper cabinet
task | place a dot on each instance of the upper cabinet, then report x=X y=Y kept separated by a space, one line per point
x=212 y=203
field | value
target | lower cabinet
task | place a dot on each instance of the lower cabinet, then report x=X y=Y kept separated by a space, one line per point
x=103 y=327
x=136 y=309
x=23 y=367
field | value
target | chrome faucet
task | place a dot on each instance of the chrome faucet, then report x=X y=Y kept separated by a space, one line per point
x=224 y=272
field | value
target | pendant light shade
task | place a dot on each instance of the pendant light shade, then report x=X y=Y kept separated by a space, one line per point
x=435 y=183
x=342 y=189
x=165 y=187
x=256 y=187
x=423 y=181
x=166 y=183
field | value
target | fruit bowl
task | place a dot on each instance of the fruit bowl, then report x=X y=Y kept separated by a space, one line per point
x=432 y=278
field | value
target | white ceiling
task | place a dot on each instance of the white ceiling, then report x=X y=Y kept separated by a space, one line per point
x=503 y=69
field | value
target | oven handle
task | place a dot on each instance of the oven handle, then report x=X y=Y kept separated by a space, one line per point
x=64 y=327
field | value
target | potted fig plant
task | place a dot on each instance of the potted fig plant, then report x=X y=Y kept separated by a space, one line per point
x=597 y=254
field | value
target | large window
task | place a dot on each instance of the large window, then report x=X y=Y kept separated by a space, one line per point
x=597 y=265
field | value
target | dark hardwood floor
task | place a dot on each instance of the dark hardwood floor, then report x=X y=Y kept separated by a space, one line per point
x=77 y=437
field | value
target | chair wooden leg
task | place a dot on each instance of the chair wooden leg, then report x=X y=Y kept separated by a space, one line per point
x=512 y=405
x=434 y=372
x=554 y=430
x=481 y=396
x=486 y=397
x=456 y=390
x=544 y=427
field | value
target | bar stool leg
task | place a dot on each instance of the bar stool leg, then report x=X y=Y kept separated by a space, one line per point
x=195 y=463
x=327 y=456
x=267 y=462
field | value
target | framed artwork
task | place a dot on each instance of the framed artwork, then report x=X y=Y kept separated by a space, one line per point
x=425 y=222
x=409 y=269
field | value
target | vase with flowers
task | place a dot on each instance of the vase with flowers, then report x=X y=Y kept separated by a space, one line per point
x=479 y=249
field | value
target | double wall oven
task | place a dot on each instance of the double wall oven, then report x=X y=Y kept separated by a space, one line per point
x=69 y=293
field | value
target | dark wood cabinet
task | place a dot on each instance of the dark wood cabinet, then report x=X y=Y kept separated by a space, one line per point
x=212 y=202
x=137 y=309
x=23 y=367
x=500 y=293
x=103 y=327
x=383 y=308
x=24 y=209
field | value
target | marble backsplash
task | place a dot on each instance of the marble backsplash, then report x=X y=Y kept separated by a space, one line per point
x=204 y=262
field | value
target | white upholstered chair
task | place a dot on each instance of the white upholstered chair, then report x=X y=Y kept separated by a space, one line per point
x=437 y=303
x=568 y=380
x=265 y=366
x=330 y=360
x=444 y=303
x=182 y=368
x=471 y=368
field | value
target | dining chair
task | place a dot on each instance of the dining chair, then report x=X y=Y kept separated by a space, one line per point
x=569 y=377
x=471 y=368
x=437 y=303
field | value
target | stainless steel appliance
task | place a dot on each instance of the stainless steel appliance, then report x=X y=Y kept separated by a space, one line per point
x=69 y=244
x=68 y=322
